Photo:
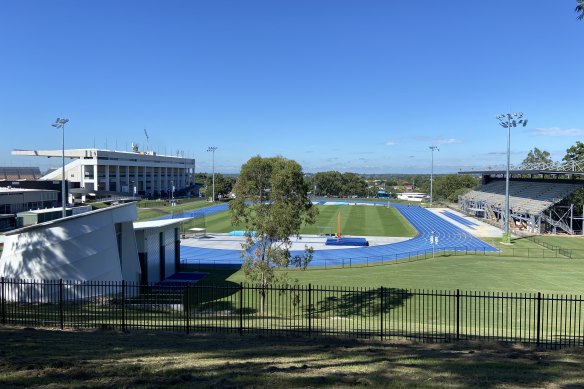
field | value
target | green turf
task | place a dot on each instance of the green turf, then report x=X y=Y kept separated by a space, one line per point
x=522 y=267
x=158 y=209
x=360 y=220
x=355 y=220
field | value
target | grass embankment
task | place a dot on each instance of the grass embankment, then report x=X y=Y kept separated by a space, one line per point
x=41 y=358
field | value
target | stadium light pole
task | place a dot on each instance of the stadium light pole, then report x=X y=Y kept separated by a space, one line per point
x=433 y=148
x=60 y=123
x=212 y=149
x=509 y=120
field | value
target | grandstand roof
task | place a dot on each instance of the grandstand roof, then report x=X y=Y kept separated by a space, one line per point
x=522 y=171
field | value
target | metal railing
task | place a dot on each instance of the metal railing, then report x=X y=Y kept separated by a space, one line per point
x=549 y=321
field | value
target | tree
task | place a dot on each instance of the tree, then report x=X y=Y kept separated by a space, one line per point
x=272 y=202
x=575 y=153
x=353 y=185
x=580 y=9
x=536 y=156
x=223 y=185
x=328 y=183
x=449 y=187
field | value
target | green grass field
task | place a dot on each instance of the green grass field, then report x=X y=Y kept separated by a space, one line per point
x=360 y=220
x=355 y=220
x=524 y=267
x=153 y=209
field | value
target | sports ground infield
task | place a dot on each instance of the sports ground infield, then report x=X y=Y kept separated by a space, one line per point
x=424 y=231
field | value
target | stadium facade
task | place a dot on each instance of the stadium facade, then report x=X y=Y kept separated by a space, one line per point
x=540 y=199
x=103 y=173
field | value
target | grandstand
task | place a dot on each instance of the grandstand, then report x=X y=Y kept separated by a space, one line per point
x=539 y=200
x=19 y=173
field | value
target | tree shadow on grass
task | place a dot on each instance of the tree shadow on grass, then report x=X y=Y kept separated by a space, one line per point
x=143 y=359
x=364 y=303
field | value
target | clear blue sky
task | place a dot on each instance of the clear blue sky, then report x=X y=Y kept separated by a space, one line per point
x=362 y=86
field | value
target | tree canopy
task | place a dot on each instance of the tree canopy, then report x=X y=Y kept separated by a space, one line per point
x=575 y=153
x=223 y=185
x=537 y=156
x=334 y=183
x=449 y=187
x=580 y=9
x=272 y=202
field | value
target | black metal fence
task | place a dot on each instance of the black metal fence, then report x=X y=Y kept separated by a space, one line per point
x=542 y=320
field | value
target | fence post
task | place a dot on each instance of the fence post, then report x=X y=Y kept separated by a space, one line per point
x=123 y=305
x=309 y=309
x=61 y=303
x=3 y=302
x=187 y=305
x=381 y=314
x=240 y=309
x=457 y=314
x=538 y=339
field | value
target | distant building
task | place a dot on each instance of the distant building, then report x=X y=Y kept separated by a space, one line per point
x=106 y=173
x=14 y=200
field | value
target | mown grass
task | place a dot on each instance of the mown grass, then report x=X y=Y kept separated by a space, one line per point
x=161 y=208
x=44 y=358
x=355 y=220
x=512 y=270
x=470 y=273
x=360 y=220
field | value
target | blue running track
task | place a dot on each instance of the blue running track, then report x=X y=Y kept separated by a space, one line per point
x=448 y=236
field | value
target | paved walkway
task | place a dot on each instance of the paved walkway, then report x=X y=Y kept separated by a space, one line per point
x=450 y=233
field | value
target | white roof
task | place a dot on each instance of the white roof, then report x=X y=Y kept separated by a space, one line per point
x=159 y=223
x=45 y=210
x=16 y=190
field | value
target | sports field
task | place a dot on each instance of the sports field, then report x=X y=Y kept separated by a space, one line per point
x=358 y=220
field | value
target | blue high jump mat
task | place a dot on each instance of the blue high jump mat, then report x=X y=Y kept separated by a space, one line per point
x=346 y=242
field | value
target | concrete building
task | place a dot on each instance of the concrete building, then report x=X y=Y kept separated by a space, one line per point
x=103 y=173
x=13 y=200
x=158 y=243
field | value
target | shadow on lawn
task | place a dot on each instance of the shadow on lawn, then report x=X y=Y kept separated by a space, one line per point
x=69 y=359
x=363 y=303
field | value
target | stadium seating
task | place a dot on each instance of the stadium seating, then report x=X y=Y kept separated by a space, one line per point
x=524 y=196
x=19 y=173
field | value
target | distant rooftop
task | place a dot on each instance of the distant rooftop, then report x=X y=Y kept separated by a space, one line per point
x=20 y=190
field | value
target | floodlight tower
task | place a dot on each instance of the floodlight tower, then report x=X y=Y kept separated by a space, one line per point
x=60 y=123
x=212 y=149
x=507 y=121
x=433 y=148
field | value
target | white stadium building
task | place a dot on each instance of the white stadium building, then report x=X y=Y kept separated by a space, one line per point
x=104 y=173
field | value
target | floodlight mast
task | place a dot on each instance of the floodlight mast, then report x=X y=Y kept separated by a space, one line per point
x=507 y=121
x=433 y=148
x=212 y=149
x=60 y=123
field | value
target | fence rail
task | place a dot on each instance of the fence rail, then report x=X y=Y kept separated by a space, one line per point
x=543 y=320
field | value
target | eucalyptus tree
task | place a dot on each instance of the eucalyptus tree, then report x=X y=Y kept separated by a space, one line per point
x=272 y=203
